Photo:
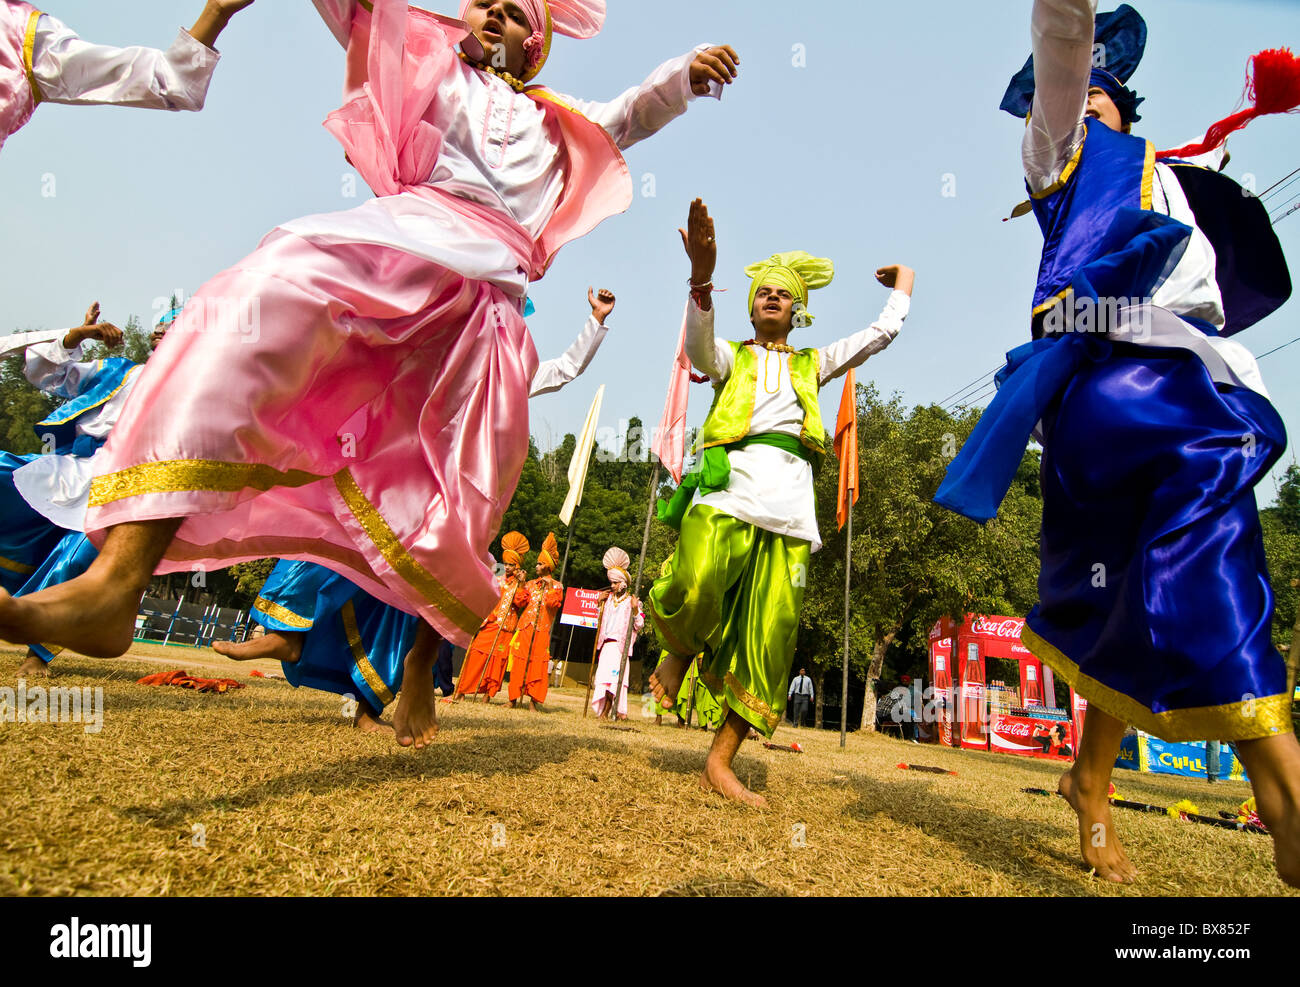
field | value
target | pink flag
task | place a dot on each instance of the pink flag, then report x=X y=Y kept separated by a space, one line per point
x=669 y=442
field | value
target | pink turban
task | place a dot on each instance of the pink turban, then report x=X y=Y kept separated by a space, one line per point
x=572 y=18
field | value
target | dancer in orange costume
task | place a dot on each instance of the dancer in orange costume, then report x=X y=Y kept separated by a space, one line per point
x=539 y=602
x=485 y=662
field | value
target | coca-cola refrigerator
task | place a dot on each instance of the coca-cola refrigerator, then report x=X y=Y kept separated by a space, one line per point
x=941 y=703
x=974 y=715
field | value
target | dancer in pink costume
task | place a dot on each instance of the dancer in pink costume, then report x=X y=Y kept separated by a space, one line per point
x=371 y=413
x=43 y=61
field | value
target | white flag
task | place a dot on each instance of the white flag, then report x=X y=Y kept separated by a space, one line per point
x=581 y=458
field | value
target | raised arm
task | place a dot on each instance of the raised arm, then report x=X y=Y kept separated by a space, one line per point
x=554 y=374
x=1062 y=36
x=838 y=358
x=67 y=69
x=56 y=367
x=706 y=353
x=645 y=109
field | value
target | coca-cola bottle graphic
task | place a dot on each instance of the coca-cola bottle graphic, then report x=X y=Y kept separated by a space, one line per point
x=972 y=713
x=1033 y=691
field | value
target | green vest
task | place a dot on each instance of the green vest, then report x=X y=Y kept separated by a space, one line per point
x=733 y=401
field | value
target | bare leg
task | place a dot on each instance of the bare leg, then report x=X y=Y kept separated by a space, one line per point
x=1085 y=787
x=1273 y=765
x=666 y=680
x=718 y=775
x=416 y=719
x=283 y=646
x=33 y=668
x=93 y=614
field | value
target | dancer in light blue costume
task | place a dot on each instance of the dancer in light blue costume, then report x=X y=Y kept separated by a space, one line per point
x=328 y=634
x=1155 y=601
x=43 y=496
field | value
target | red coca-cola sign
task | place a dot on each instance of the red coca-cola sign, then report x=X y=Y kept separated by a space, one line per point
x=1007 y=628
x=1032 y=736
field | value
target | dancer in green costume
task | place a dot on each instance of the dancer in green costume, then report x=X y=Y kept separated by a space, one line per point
x=735 y=582
x=695 y=703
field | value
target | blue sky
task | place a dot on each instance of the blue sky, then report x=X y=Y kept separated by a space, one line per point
x=847 y=125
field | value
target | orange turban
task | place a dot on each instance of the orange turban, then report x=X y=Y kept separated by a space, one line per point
x=550 y=553
x=514 y=547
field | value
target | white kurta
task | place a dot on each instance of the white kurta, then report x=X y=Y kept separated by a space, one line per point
x=497 y=150
x=771 y=488
x=610 y=633
x=1063 y=38
x=58 y=487
x=70 y=70
x=554 y=374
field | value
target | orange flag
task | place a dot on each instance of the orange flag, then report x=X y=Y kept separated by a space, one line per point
x=846 y=448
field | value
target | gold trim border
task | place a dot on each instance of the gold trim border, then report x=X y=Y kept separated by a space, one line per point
x=1272 y=714
x=29 y=55
x=383 y=537
x=283 y=614
x=97 y=404
x=11 y=566
x=367 y=670
x=746 y=698
x=189 y=476
x=1148 y=176
x=1066 y=173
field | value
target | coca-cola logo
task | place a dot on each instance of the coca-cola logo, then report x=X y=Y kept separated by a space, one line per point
x=1014 y=729
x=1002 y=627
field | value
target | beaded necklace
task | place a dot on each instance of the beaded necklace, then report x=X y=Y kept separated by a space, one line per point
x=772 y=347
x=504 y=76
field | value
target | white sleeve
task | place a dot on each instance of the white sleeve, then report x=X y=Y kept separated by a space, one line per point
x=554 y=374
x=337 y=15
x=645 y=109
x=707 y=354
x=57 y=370
x=838 y=358
x=1062 y=34
x=69 y=70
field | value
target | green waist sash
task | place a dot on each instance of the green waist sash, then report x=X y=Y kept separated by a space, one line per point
x=713 y=472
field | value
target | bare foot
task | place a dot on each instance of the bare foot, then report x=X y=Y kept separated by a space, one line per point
x=1283 y=824
x=33 y=668
x=666 y=680
x=718 y=777
x=90 y=615
x=366 y=723
x=532 y=704
x=416 y=719
x=1098 y=842
x=283 y=646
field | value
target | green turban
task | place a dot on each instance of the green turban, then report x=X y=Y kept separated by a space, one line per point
x=797 y=272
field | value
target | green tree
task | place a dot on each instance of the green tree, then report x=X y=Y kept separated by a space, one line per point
x=913 y=561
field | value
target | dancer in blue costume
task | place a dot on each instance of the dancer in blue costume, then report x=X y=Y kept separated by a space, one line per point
x=43 y=496
x=1155 y=601
x=328 y=634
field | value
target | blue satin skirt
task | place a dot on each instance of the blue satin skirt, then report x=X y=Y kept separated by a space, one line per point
x=1155 y=601
x=297 y=594
x=354 y=644
x=70 y=558
x=26 y=537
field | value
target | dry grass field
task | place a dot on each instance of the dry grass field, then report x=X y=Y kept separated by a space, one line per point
x=264 y=791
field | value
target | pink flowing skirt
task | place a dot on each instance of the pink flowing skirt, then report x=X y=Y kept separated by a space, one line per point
x=348 y=404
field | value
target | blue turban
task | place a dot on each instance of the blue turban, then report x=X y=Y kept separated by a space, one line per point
x=1120 y=39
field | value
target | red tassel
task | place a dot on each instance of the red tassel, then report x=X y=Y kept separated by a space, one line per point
x=1272 y=86
x=1275 y=86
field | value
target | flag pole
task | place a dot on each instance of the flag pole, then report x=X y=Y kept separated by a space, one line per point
x=636 y=593
x=844 y=678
